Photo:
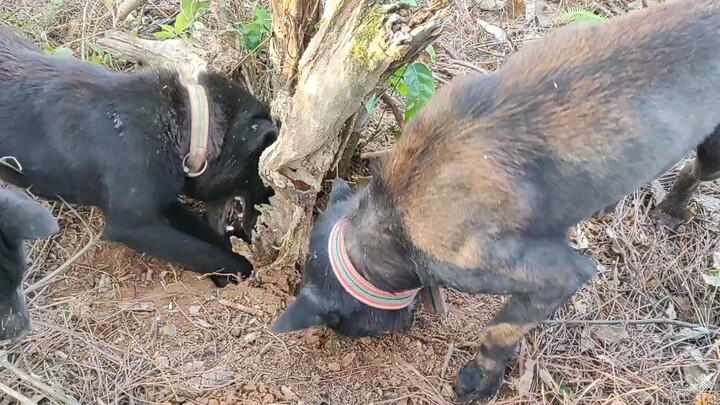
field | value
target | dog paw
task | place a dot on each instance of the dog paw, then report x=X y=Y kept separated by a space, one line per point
x=670 y=216
x=478 y=382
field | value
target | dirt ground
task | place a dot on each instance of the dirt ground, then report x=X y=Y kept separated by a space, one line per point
x=113 y=327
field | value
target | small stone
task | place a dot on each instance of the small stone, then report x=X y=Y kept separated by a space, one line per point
x=268 y=399
x=250 y=387
x=251 y=337
x=288 y=394
x=446 y=391
x=169 y=330
x=194 y=310
x=334 y=367
x=348 y=359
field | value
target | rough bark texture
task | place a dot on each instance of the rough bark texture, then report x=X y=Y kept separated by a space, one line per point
x=357 y=46
x=172 y=53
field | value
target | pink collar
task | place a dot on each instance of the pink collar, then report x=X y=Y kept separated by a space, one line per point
x=362 y=290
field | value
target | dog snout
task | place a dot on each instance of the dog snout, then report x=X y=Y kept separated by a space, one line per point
x=14 y=317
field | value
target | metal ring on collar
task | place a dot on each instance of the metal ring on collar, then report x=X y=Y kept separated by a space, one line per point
x=187 y=169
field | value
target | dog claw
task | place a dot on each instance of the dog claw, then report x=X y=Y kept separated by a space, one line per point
x=669 y=216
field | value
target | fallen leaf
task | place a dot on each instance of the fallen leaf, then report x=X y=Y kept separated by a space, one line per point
x=691 y=333
x=547 y=379
x=348 y=359
x=169 y=330
x=526 y=379
x=137 y=306
x=670 y=311
x=251 y=337
x=334 y=367
x=288 y=394
x=610 y=334
x=204 y=324
x=491 y=5
x=712 y=277
x=194 y=310
x=586 y=342
x=493 y=30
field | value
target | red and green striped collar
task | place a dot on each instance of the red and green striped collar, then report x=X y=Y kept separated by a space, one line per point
x=362 y=290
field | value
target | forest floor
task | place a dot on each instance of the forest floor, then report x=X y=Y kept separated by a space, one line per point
x=114 y=327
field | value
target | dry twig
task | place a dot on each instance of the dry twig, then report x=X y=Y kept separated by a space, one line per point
x=39 y=385
x=239 y=307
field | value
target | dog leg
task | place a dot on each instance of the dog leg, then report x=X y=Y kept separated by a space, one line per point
x=159 y=239
x=672 y=211
x=554 y=272
x=186 y=221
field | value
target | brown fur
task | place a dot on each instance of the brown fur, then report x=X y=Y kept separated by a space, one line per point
x=483 y=185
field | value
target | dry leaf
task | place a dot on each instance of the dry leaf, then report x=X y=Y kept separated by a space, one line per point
x=491 y=5
x=691 y=333
x=137 y=306
x=586 y=342
x=526 y=379
x=334 y=367
x=194 y=310
x=348 y=359
x=547 y=379
x=670 y=311
x=493 y=30
x=169 y=330
x=712 y=276
x=251 y=337
x=288 y=394
x=610 y=334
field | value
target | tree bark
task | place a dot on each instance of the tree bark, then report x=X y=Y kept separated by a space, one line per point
x=321 y=83
x=318 y=95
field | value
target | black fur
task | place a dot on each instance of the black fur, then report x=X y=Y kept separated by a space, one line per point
x=116 y=141
x=21 y=219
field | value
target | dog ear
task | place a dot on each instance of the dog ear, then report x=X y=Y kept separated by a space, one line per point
x=22 y=218
x=339 y=191
x=303 y=313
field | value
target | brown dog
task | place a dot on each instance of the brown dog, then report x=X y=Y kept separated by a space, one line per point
x=480 y=191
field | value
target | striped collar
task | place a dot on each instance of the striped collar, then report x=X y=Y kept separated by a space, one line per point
x=362 y=290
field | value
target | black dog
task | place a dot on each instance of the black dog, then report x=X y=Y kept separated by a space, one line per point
x=21 y=219
x=121 y=142
x=481 y=189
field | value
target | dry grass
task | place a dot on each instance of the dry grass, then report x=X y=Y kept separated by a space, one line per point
x=112 y=327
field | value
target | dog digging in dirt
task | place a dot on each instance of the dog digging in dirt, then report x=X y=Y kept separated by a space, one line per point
x=480 y=191
x=21 y=219
x=130 y=144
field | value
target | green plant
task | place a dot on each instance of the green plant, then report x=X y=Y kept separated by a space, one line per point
x=253 y=33
x=59 y=52
x=99 y=56
x=579 y=15
x=189 y=11
x=415 y=82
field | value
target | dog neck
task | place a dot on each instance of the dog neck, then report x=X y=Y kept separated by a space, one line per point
x=364 y=291
x=195 y=162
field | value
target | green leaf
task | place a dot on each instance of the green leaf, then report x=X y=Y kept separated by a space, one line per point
x=420 y=86
x=163 y=35
x=252 y=36
x=182 y=21
x=580 y=15
x=411 y=3
x=371 y=104
x=96 y=48
x=262 y=17
x=397 y=81
x=431 y=51
x=48 y=48
x=96 y=59
x=63 y=53
x=564 y=389
x=397 y=135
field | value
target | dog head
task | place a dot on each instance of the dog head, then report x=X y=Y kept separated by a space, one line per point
x=21 y=219
x=243 y=130
x=322 y=300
